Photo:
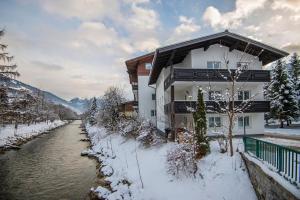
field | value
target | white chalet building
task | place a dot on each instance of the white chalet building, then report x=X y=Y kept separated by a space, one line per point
x=144 y=96
x=179 y=70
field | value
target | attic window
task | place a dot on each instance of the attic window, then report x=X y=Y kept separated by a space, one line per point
x=148 y=66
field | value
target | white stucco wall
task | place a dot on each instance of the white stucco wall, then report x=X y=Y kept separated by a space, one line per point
x=160 y=102
x=199 y=57
x=146 y=104
x=256 y=123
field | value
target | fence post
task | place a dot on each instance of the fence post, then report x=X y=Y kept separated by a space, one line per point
x=245 y=143
x=280 y=159
x=257 y=148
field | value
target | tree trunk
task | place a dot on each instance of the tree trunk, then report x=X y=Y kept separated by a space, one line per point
x=281 y=123
x=230 y=135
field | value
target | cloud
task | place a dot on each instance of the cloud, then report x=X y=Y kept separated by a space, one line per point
x=293 y=5
x=47 y=66
x=184 y=30
x=295 y=47
x=231 y=19
x=81 y=9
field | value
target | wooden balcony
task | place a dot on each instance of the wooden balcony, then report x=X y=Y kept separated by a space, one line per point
x=214 y=75
x=181 y=107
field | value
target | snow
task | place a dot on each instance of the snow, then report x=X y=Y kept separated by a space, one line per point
x=8 y=134
x=219 y=176
x=283 y=131
x=284 y=142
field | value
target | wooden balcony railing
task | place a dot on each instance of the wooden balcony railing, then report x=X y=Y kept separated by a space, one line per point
x=182 y=107
x=214 y=75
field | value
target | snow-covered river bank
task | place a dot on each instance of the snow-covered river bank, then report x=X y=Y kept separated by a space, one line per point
x=9 y=136
x=135 y=172
x=49 y=167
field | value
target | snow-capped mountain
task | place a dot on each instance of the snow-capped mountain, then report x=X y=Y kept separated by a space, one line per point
x=81 y=104
x=75 y=104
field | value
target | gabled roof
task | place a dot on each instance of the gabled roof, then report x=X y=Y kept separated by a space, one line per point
x=175 y=53
x=134 y=62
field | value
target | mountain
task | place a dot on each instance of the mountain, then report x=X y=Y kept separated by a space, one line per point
x=76 y=104
x=81 y=104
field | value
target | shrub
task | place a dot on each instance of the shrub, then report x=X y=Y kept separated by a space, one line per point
x=180 y=161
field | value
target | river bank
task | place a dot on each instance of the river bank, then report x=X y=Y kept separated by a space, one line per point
x=11 y=138
x=131 y=171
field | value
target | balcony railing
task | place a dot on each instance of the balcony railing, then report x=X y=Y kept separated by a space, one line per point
x=214 y=75
x=183 y=107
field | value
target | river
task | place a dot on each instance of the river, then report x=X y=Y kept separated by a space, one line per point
x=48 y=167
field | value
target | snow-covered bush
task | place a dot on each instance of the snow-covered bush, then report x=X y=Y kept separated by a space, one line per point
x=129 y=127
x=181 y=161
x=147 y=134
x=223 y=143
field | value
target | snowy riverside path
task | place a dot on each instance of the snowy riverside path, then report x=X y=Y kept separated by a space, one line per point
x=48 y=167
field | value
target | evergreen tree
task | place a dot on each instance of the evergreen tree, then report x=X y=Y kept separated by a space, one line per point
x=92 y=112
x=3 y=104
x=202 y=144
x=284 y=105
x=295 y=64
x=6 y=70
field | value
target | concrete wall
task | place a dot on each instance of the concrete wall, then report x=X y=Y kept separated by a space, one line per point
x=265 y=186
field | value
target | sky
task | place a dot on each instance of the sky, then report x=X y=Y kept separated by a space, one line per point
x=78 y=48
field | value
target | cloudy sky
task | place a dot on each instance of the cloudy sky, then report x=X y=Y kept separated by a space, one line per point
x=77 y=48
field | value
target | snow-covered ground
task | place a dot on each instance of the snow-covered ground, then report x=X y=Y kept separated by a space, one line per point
x=284 y=142
x=9 y=135
x=283 y=131
x=219 y=176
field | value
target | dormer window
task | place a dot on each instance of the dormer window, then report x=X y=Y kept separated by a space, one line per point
x=243 y=65
x=148 y=66
x=213 y=65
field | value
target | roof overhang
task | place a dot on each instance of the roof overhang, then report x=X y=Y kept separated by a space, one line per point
x=176 y=53
x=132 y=65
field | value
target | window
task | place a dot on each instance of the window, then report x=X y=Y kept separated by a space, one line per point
x=148 y=66
x=153 y=96
x=244 y=121
x=213 y=65
x=214 y=95
x=153 y=113
x=243 y=95
x=243 y=65
x=214 y=122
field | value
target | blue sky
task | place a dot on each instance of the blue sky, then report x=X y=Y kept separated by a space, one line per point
x=77 y=48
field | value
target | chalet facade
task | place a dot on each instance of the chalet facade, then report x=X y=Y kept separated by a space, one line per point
x=179 y=70
x=144 y=96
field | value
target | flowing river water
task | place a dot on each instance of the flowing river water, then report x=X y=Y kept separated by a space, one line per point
x=49 y=167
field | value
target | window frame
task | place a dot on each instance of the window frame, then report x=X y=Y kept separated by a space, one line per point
x=153 y=112
x=215 y=125
x=153 y=96
x=214 y=98
x=243 y=95
x=213 y=64
x=147 y=66
x=243 y=65
x=241 y=121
